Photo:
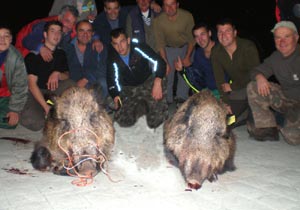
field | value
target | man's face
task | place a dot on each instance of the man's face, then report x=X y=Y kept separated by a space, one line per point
x=121 y=44
x=84 y=33
x=68 y=20
x=144 y=5
x=5 y=39
x=202 y=37
x=53 y=35
x=170 y=7
x=226 y=35
x=285 y=40
x=112 y=10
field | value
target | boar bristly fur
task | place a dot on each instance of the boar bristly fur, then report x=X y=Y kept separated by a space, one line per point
x=78 y=133
x=199 y=138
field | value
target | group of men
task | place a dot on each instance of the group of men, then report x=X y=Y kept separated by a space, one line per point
x=135 y=65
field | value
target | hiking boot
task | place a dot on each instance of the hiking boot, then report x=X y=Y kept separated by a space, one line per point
x=262 y=134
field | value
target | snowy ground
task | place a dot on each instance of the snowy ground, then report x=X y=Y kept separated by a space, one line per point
x=141 y=177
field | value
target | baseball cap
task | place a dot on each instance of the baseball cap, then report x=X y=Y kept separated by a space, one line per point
x=287 y=24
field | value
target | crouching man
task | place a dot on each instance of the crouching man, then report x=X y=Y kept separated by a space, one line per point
x=134 y=77
x=266 y=99
x=45 y=78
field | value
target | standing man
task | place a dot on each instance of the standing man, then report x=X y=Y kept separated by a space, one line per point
x=139 y=23
x=134 y=77
x=13 y=81
x=200 y=75
x=267 y=98
x=173 y=36
x=45 y=78
x=87 y=9
x=87 y=66
x=112 y=17
x=234 y=57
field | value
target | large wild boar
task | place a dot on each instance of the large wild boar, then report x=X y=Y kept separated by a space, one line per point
x=78 y=136
x=199 y=138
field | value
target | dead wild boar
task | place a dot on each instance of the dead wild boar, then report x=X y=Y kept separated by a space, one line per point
x=78 y=135
x=198 y=137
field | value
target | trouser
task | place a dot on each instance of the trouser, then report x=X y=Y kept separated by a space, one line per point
x=239 y=106
x=33 y=114
x=182 y=89
x=263 y=108
x=3 y=111
x=104 y=90
x=100 y=86
x=137 y=101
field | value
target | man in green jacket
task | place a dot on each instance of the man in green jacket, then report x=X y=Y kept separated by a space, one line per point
x=234 y=57
x=13 y=81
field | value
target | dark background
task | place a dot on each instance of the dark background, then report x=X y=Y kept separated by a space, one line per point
x=254 y=19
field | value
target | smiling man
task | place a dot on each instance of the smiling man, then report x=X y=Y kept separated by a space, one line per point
x=87 y=66
x=13 y=81
x=200 y=74
x=267 y=98
x=234 y=57
x=45 y=78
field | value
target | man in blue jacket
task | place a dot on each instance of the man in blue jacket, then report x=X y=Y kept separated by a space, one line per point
x=87 y=67
x=200 y=74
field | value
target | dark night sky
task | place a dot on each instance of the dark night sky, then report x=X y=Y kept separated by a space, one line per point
x=254 y=18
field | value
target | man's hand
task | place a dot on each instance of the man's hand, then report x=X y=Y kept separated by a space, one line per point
x=46 y=54
x=97 y=45
x=82 y=82
x=52 y=83
x=168 y=69
x=155 y=6
x=157 y=89
x=263 y=85
x=13 y=118
x=47 y=109
x=178 y=64
x=117 y=102
x=91 y=17
x=186 y=61
x=226 y=87
x=228 y=109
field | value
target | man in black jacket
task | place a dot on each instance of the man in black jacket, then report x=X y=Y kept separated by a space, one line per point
x=134 y=77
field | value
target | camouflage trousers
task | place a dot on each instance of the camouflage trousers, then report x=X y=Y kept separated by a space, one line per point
x=137 y=101
x=263 y=108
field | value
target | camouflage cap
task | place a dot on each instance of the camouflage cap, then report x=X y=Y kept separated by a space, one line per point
x=287 y=24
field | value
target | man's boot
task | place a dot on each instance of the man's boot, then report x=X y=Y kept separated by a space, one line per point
x=291 y=128
x=262 y=134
